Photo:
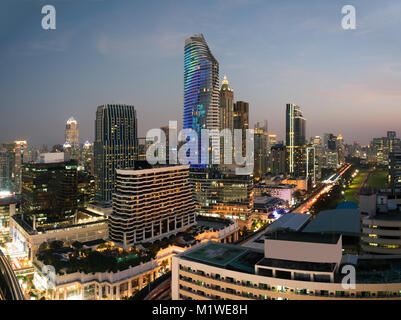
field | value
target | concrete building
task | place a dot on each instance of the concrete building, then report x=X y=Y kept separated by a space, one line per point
x=52 y=157
x=27 y=240
x=294 y=266
x=150 y=203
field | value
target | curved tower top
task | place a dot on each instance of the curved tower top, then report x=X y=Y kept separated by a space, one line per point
x=201 y=89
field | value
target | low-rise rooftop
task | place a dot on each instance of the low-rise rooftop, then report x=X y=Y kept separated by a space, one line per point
x=314 y=237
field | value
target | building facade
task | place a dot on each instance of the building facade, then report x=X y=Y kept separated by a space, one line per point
x=49 y=193
x=201 y=94
x=115 y=147
x=151 y=203
x=295 y=139
x=219 y=193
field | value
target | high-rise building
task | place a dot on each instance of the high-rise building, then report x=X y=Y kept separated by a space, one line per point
x=115 y=147
x=382 y=147
x=49 y=193
x=20 y=147
x=72 y=132
x=87 y=157
x=201 y=94
x=241 y=120
x=150 y=203
x=277 y=159
x=72 y=139
x=260 y=150
x=295 y=139
x=317 y=144
x=226 y=116
x=5 y=170
x=395 y=172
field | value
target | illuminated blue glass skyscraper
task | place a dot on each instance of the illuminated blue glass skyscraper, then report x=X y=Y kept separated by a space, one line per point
x=201 y=92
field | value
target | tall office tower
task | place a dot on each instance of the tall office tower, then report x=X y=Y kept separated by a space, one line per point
x=72 y=137
x=5 y=170
x=219 y=193
x=72 y=132
x=241 y=120
x=277 y=159
x=9 y=152
x=393 y=143
x=391 y=135
x=150 y=203
x=271 y=141
x=331 y=142
x=395 y=172
x=295 y=139
x=115 y=147
x=87 y=157
x=331 y=152
x=19 y=151
x=226 y=116
x=260 y=149
x=201 y=95
x=340 y=149
x=317 y=144
x=49 y=193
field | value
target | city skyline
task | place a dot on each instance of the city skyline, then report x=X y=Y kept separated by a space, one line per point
x=87 y=62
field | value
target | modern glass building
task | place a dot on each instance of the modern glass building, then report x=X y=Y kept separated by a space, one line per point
x=241 y=120
x=201 y=93
x=115 y=147
x=295 y=138
x=49 y=193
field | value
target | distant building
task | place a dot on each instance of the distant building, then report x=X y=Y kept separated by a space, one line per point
x=277 y=159
x=72 y=138
x=6 y=170
x=52 y=157
x=87 y=158
x=241 y=120
x=297 y=153
x=223 y=194
x=260 y=150
x=282 y=191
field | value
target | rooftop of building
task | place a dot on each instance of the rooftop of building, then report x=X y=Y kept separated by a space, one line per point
x=311 y=237
x=227 y=256
x=84 y=221
x=212 y=223
x=297 y=265
x=290 y=221
x=343 y=221
x=8 y=200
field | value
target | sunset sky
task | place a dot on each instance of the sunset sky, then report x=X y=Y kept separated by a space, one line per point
x=273 y=53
